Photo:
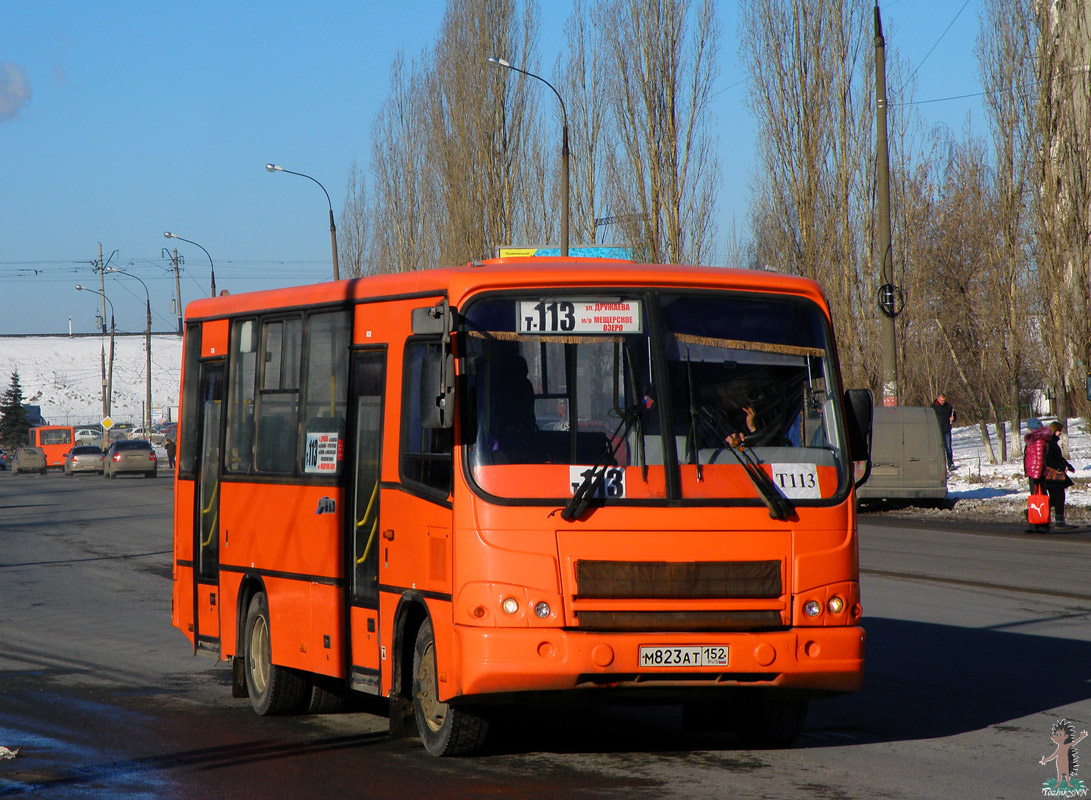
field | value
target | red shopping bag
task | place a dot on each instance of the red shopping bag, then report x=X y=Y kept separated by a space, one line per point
x=1038 y=509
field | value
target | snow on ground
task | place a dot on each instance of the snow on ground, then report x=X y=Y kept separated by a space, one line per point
x=63 y=375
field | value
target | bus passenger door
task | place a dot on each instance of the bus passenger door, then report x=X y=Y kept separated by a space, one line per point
x=206 y=523
x=366 y=412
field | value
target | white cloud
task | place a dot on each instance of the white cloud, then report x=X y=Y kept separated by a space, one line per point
x=14 y=90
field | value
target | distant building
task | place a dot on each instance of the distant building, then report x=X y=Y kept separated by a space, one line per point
x=34 y=416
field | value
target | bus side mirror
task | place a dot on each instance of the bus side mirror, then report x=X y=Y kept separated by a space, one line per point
x=437 y=371
x=859 y=408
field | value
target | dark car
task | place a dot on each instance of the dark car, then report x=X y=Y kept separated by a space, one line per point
x=84 y=458
x=28 y=459
x=3 y=460
x=130 y=455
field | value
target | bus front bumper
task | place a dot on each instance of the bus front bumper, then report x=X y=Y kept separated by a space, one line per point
x=503 y=660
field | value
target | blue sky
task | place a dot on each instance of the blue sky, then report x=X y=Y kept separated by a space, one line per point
x=146 y=117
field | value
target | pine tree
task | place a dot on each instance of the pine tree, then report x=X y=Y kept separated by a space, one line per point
x=13 y=416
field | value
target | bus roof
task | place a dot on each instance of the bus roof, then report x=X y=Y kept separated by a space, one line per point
x=512 y=273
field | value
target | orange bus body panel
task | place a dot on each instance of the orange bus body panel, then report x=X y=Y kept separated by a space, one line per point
x=54 y=453
x=460 y=557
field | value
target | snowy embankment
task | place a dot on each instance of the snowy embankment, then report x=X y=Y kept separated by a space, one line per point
x=63 y=375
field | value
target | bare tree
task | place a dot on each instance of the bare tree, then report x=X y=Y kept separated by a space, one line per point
x=811 y=94
x=402 y=203
x=581 y=81
x=661 y=62
x=1063 y=207
x=354 y=226
x=1005 y=51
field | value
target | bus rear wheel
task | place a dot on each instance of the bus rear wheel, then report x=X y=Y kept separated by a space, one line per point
x=272 y=689
x=445 y=730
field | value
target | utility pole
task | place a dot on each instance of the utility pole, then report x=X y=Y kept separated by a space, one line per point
x=889 y=295
x=177 y=291
x=102 y=342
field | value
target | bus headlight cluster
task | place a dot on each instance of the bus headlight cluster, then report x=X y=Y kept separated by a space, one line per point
x=542 y=610
x=510 y=606
x=813 y=608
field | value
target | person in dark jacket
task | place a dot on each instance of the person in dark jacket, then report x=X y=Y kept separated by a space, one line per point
x=171 y=449
x=1055 y=475
x=945 y=414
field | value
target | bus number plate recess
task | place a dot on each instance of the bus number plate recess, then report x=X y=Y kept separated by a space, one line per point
x=683 y=657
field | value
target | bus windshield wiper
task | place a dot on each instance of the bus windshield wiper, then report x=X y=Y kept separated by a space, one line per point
x=780 y=507
x=593 y=478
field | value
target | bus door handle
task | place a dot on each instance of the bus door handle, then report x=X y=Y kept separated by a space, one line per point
x=388 y=534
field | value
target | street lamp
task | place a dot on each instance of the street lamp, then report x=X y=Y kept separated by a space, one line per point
x=107 y=380
x=147 y=350
x=333 y=228
x=564 y=148
x=212 y=266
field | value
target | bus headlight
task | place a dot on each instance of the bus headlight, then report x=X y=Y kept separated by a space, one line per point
x=542 y=610
x=836 y=605
x=510 y=605
x=812 y=608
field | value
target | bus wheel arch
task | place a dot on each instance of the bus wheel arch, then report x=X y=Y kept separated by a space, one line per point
x=445 y=729
x=273 y=689
x=409 y=616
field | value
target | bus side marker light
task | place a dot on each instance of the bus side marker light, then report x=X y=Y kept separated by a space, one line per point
x=510 y=605
x=812 y=608
x=479 y=612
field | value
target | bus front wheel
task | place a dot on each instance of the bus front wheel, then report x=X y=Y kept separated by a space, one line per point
x=273 y=689
x=445 y=729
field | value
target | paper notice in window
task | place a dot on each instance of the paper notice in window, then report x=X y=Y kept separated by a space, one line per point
x=321 y=454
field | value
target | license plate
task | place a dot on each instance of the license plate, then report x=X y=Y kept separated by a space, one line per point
x=696 y=655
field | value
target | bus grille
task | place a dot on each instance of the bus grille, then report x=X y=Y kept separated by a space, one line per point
x=679 y=620
x=663 y=580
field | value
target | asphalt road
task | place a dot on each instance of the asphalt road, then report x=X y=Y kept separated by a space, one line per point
x=977 y=642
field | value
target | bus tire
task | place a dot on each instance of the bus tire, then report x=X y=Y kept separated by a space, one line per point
x=767 y=720
x=272 y=689
x=445 y=729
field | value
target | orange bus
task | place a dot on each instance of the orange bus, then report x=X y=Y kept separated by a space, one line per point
x=520 y=480
x=55 y=440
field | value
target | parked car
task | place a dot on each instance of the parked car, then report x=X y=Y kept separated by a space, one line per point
x=3 y=459
x=89 y=435
x=84 y=458
x=28 y=459
x=130 y=455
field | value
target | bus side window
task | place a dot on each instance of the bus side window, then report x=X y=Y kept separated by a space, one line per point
x=426 y=452
x=240 y=409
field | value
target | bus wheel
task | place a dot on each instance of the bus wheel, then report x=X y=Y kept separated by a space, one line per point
x=445 y=730
x=766 y=720
x=273 y=689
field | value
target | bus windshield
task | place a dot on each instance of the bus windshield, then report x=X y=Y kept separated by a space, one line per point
x=625 y=389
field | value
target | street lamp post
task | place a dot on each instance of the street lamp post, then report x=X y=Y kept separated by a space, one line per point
x=147 y=350
x=333 y=228
x=564 y=148
x=212 y=266
x=107 y=379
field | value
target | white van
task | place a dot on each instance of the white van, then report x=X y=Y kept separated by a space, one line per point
x=908 y=462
